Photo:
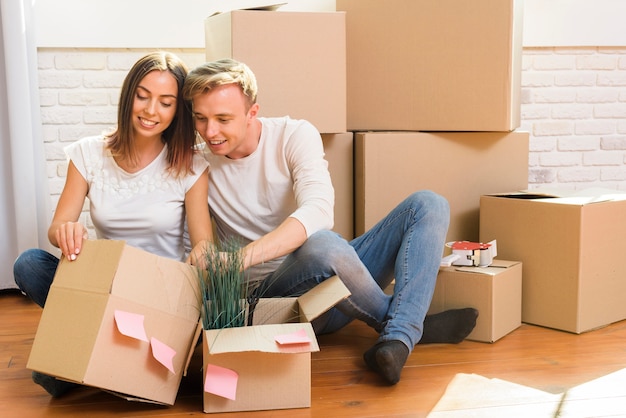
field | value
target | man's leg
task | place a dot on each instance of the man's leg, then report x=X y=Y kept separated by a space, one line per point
x=324 y=255
x=407 y=245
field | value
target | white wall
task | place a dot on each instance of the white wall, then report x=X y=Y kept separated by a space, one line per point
x=574 y=23
x=179 y=24
x=140 y=23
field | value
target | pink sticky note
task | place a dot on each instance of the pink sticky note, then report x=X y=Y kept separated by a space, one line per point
x=163 y=353
x=298 y=337
x=131 y=325
x=221 y=381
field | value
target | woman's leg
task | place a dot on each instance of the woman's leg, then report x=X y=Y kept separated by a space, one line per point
x=34 y=271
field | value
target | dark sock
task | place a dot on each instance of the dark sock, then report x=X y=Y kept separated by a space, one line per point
x=52 y=385
x=450 y=326
x=387 y=359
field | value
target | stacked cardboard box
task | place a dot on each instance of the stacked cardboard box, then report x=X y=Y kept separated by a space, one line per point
x=298 y=58
x=461 y=166
x=339 y=149
x=433 y=65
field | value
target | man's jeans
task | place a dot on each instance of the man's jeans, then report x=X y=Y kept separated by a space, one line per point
x=406 y=245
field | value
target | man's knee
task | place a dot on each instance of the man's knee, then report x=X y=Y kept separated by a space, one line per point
x=323 y=246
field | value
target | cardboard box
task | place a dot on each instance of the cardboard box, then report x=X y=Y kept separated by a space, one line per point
x=574 y=278
x=299 y=59
x=339 y=149
x=269 y=375
x=80 y=336
x=461 y=166
x=433 y=65
x=496 y=291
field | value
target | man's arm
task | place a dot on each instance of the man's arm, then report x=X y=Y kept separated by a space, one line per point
x=287 y=237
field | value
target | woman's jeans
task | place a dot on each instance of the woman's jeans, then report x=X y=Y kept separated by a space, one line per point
x=34 y=271
x=406 y=245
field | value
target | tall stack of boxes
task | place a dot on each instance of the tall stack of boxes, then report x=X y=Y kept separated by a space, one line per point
x=434 y=101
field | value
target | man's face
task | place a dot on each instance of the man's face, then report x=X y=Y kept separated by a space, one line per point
x=223 y=119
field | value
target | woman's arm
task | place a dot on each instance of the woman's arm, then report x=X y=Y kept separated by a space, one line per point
x=65 y=231
x=198 y=218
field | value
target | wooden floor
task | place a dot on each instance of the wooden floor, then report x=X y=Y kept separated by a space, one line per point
x=544 y=359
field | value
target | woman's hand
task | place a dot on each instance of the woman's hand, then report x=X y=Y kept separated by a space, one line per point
x=69 y=237
x=197 y=256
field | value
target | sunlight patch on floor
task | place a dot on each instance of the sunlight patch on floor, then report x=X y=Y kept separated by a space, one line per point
x=471 y=395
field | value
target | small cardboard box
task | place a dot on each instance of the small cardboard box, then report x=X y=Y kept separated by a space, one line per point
x=574 y=276
x=460 y=166
x=495 y=291
x=269 y=375
x=298 y=58
x=433 y=65
x=115 y=317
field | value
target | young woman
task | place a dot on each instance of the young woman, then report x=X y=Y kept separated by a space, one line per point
x=143 y=180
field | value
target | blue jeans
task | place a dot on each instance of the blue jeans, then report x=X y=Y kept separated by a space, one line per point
x=406 y=245
x=34 y=271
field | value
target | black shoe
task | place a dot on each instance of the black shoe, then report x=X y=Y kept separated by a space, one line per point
x=52 y=385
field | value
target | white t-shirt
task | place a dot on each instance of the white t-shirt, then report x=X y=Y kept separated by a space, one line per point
x=286 y=176
x=146 y=209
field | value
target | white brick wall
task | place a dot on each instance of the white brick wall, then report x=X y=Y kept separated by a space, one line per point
x=573 y=105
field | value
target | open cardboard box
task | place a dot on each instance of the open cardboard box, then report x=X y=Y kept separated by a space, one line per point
x=120 y=319
x=269 y=375
x=574 y=277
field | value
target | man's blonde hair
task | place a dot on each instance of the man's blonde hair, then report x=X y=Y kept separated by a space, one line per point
x=207 y=76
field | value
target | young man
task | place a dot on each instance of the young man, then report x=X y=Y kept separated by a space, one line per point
x=270 y=188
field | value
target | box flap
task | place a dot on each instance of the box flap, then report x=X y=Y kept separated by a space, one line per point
x=275 y=311
x=67 y=332
x=503 y=263
x=321 y=298
x=162 y=283
x=93 y=270
x=131 y=398
x=261 y=6
x=192 y=347
x=259 y=338
x=495 y=268
x=578 y=197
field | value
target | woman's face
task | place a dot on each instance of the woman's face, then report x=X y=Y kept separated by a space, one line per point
x=154 y=105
